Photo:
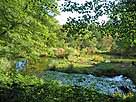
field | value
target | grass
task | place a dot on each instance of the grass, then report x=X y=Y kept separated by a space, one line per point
x=123 y=60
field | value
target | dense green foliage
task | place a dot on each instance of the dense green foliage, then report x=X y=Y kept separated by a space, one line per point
x=120 y=26
x=122 y=23
x=27 y=27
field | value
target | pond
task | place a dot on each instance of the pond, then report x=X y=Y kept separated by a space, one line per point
x=105 y=85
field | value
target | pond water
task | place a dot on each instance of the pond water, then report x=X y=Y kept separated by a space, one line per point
x=104 y=85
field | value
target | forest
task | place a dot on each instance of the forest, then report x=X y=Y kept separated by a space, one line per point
x=83 y=60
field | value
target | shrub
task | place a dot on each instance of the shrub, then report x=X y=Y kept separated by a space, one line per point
x=59 y=52
x=98 y=58
x=72 y=51
x=5 y=64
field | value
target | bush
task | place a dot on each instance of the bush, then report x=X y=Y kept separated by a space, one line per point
x=98 y=58
x=60 y=52
x=88 y=51
x=5 y=64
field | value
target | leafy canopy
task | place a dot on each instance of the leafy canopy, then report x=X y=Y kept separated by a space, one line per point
x=121 y=14
x=27 y=26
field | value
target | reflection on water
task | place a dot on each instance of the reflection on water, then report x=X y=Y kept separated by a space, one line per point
x=45 y=62
x=38 y=67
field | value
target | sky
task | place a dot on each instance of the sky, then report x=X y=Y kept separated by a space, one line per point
x=62 y=18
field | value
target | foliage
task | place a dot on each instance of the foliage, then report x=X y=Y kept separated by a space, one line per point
x=107 y=43
x=24 y=88
x=27 y=27
x=121 y=24
x=81 y=37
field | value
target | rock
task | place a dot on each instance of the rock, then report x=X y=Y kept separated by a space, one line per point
x=20 y=65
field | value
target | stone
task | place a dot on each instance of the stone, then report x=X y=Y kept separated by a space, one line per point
x=20 y=65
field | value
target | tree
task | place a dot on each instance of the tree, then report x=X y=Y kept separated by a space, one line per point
x=122 y=23
x=17 y=12
x=85 y=28
x=121 y=13
x=27 y=25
